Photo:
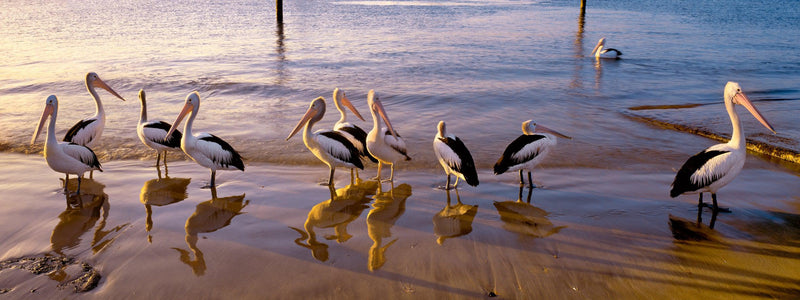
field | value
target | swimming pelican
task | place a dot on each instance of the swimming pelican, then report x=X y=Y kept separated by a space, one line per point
x=87 y=131
x=204 y=148
x=63 y=157
x=716 y=166
x=331 y=147
x=152 y=133
x=353 y=133
x=528 y=150
x=600 y=51
x=454 y=157
x=383 y=142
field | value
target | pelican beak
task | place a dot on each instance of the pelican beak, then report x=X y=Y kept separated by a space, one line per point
x=101 y=84
x=352 y=108
x=541 y=128
x=742 y=99
x=186 y=109
x=48 y=109
x=596 y=47
x=377 y=106
x=309 y=114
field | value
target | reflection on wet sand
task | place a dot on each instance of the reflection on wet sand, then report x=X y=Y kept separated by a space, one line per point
x=387 y=208
x=453 y=221
x=344 y=206
x=209 y=216
x=82 y=212
x=524 y=218
x=161 y=192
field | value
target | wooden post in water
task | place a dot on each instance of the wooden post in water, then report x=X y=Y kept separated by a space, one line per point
x=583 y=6
x=279 y=10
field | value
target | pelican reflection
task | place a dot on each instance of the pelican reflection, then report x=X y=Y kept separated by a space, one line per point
x=387 y=208
x=345 y=206
x=524 y=218
x=453 y=221
x=81 y=214
x=161 y=192
x=209 y=216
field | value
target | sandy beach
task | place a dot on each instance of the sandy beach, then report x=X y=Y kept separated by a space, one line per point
x=274 y=232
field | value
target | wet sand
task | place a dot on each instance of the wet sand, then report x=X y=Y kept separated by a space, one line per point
x=274 y=232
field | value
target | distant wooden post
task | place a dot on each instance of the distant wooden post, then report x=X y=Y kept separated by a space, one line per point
x=583 y=6
x=279 y=10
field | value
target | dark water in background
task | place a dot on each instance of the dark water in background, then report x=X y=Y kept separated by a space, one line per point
x=482 y=66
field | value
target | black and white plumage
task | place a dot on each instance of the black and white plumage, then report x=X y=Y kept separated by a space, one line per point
x=331 y=147
x=715 y=167
x=454 y=157
x=87 y=131
x=383 y=142
x=205 y=149
x=154 y=133
x=600 y=52
x=64 y=157
x=353 y=133
x=528 y=150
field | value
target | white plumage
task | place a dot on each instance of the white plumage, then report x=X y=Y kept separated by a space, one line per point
x=528 y=150
x=454 y=157
x=383 y=142
x=600 y=51
x=87 y=131
x=154 y=133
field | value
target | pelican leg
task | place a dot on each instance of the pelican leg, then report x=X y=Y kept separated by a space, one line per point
x=530 y=181
x=213 y=176
x=79 y=185
x=391 y=174
x=158 y=158
x=521 y=178
x=66 y=182
x=530 y=193
x=447 y=185
x=378 y=177
x=714 y=211
x=330 y=179
x=456 y=185
x=91 y=174
x=700 y=206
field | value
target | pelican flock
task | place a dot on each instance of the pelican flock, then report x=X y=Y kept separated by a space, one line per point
x=204 y=148
x=718 y=165
x=454 y=157
x=64 y=157
x=383 y=142
x=528 y=150
x=331 y=147
x=601 y=52
x=154 y=133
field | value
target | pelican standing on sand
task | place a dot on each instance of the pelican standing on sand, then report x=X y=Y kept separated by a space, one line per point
x=353 y=133
x=454 y=157
x=204 y=148
x=716 y=166
x=600 y=51
x=87 y=131
x=331 y=147
x=383 y=142
x=64 y=157
x=154 y=133
x=528 y=150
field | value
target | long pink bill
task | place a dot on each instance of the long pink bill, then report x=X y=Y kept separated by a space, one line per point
x=352 y=108
x=48 y=110
x=378 y=107
x=186 y=109
x=541 y=128
x=311 y=112
x=101 y=84
x=742 y=99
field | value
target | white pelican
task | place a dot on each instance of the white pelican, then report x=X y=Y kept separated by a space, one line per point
x=528 y=150
x=716 y=166
x=331 y=147
x=63 y=157
x=454 y=157
x=383 y=142
x=204 y=148
x=353 y=133
x=152 y=133
x=87 y=131
x=600 y=51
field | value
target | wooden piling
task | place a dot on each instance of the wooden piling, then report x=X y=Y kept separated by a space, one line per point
x=583 y=6
x=279 y=10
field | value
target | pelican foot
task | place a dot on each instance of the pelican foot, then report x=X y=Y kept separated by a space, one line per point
x=387 y=180
x=445 y=188
x=719 y=208
x=207 y=186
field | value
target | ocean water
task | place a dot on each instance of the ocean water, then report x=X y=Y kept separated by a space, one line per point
x=484 y=67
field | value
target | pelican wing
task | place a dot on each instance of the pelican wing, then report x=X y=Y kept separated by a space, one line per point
x=360 y=136
x=457 y=156
x=82 y=153
x=156 y=130
x=521 y=150
x=700 y=171
x=219 y=151
x=339 y=147
x=81 y=132
x=397 y=143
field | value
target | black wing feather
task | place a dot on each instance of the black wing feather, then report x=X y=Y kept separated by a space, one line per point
x=683 y=182
x=174 y=140
x=77 y=127
x=354 y=155
x=506 y=161
x=361 y=136
x=235 y=159
x=467 y=167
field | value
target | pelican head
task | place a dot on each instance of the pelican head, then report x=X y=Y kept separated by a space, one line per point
x=339 y=99
x=51 y=105
x=530 y=127
x=376 y=107
x=734 y=95
x=442 y=129
x=600 y=44
x=93 y=81
x=192 y=104
x=315 y=112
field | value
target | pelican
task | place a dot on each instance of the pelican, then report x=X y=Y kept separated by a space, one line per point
x=383 y=142
x=353 y=133
x=600 y=51
x=63 y=157
x=331 y=147
x=87 y=131
x=204 y=148
x=152 y=133
x=454 y=157
x=716 y=166
x=528 y=150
